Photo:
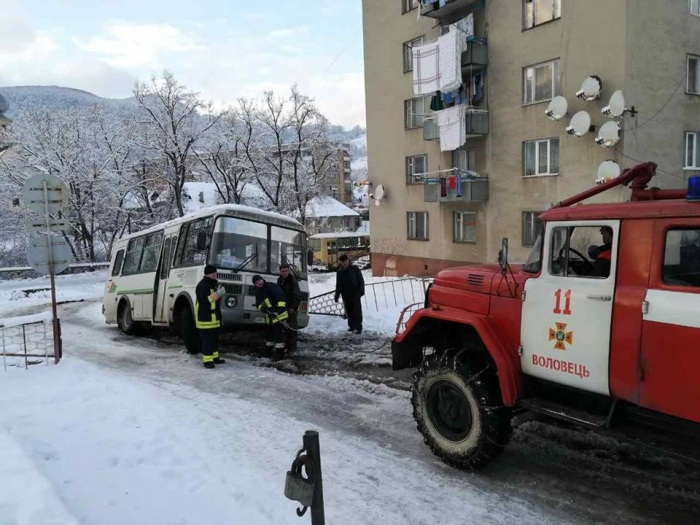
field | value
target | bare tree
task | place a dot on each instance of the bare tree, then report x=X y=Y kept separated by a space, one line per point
x=179 y=120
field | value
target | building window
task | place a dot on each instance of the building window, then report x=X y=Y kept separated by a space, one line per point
x=408 y=53
x=693 y=75
x=536 y=12
x=531 y=227
x=695 y=7
x=682 y=258
x=464 y=227
x=417 y=225
x=415 y=165
x=541 y=82
x=464 y=160
x=692 y=155
x=541 y=157
x=415 y=111
x=409 y=5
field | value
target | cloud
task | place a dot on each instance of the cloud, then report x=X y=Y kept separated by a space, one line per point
x=287 y=32
x=137 y=45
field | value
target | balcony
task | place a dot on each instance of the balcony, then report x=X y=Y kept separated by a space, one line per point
x=477 y=122
x=476 y=190
x=430 y=129
x=475 y=58
x=452 y=11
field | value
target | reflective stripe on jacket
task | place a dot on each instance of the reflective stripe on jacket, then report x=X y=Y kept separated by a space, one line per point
x=207 y=312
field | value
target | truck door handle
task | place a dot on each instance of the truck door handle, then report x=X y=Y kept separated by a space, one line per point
x=600 y=297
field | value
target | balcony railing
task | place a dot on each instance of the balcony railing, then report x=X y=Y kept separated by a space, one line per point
x=475 y=58
x=430 y=129
x=452 y=11
x=477 y=122
x=469 y=190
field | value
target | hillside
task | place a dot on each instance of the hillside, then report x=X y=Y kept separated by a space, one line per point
x=52 y=96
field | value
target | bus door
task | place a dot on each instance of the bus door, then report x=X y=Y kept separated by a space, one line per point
x=160 y=305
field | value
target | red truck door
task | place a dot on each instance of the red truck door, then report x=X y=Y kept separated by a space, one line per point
x=670 y=360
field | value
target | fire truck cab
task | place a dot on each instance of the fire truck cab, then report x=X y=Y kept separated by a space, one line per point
x=601 y=326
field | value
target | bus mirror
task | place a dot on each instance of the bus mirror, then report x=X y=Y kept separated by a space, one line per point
x=503 y=255
x=201 y=241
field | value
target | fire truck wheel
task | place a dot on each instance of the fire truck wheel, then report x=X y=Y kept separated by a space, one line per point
x=459 y=411
x=125 y=321
x=189 y=331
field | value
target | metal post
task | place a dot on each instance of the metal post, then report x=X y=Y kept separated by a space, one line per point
x=4 y=357
x=54 y=313
x=313 y=450
x=24 y=340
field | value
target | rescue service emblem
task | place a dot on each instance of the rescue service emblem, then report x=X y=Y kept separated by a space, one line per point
x=561 y=336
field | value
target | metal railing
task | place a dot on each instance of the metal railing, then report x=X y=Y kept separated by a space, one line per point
x=406 y=314
x=26 y=341
x=378 y=296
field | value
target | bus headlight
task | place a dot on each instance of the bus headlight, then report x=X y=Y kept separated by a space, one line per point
x=231 y=301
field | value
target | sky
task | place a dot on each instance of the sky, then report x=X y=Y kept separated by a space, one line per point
x=224 y=49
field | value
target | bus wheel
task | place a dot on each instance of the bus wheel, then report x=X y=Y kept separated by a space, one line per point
x=125 y=321
x=189 y=330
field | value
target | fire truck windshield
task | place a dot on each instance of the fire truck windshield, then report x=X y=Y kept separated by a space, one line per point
x=534 y=261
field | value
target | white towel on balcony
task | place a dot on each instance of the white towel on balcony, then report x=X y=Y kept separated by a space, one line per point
x=453 y=127
x=451 y=46
x=426 y=69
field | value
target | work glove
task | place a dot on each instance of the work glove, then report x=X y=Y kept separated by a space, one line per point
x=336 y=298
x=220 y=291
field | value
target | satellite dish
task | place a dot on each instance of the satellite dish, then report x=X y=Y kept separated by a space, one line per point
x=4 y=105
x=616 y=106
x=608 y=171
x=609 y=134
x=557 y=108
x=590 y=89
x=378 y=195
x=580 y=124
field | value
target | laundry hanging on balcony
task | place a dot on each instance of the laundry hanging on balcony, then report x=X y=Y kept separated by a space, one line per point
x=450 y=48
x=453 y=127
x=426 y=68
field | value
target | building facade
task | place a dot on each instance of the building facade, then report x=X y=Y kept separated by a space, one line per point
x=522 y=54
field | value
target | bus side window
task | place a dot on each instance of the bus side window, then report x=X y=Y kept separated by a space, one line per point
x=133 y=256
x=149 y=262
x=165 y=265
x=118 y=260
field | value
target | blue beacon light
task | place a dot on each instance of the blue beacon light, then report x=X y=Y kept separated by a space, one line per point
x=693 y=188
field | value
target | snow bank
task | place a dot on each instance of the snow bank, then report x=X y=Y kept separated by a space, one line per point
x=11 y=322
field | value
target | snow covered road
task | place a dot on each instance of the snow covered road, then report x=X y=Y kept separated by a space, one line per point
x=133 y=430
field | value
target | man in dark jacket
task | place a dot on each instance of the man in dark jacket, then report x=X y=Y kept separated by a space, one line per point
x=208 y=316
x=350 y=285
x=290 y=286
x=269 y=299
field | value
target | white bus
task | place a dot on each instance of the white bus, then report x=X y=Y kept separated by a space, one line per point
x=153 y=273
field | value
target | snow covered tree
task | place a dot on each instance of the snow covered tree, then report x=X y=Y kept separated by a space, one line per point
x=178 y=120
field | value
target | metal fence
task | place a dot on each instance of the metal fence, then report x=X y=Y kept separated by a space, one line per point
x=26 y=341
x=378 y=296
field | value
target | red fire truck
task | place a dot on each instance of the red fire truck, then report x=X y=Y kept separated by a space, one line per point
x=601 y=326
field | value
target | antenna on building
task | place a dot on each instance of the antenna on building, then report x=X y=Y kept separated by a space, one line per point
x=609 y=134
x=590 y=89
x=580 y=124
x=557 y=108
x=378 y=195
x=616 y=107
x=608 y=171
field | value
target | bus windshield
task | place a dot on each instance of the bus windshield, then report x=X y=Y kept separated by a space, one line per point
x=239 y=244
x=288 y=248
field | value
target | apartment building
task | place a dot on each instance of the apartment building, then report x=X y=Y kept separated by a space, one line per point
x=521 y=55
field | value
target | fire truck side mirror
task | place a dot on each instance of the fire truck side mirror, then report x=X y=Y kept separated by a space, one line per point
x=503 y=255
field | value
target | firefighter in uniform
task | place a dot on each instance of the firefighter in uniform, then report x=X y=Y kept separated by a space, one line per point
x=208 y=316
x=602 y=255
x=269 y=299
x=292 y=293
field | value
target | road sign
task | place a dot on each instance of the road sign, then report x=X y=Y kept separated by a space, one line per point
x=55 y=225
x=36 y=198
x=38 y=253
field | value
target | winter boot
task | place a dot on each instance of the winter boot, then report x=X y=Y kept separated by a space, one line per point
x=219 y=361
x=209 y=364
